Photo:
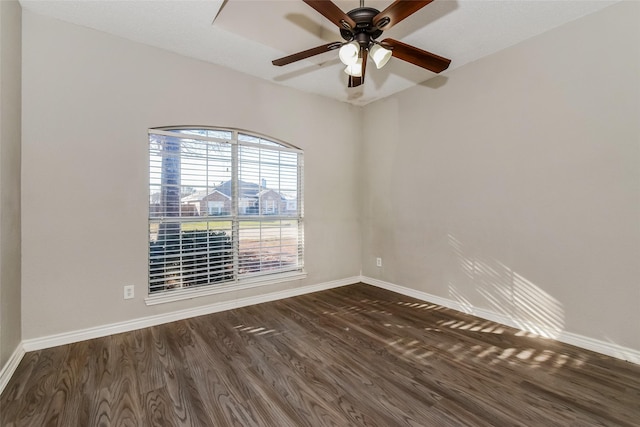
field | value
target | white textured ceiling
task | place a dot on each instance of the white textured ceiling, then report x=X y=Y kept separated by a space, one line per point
x=246 y=35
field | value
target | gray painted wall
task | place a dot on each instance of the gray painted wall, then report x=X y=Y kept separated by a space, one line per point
x=512 y=184
x=10 y=104
x=89 y=99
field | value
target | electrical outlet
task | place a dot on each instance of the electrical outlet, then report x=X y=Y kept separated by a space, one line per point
x=378 y=262
x=128 y=292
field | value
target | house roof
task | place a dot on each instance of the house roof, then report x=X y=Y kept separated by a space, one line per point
x=245 y=190
x=194 y=197
x=267 y=190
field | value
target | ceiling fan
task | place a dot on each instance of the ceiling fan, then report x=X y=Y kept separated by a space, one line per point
x=360 y=28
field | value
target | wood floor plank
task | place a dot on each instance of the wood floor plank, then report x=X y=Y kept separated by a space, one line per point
x=38 y=390
x=146 y=347
x=220 y=400
x=158 y=409
x=114 y=396
x=187 y=402
x=350 y=356
x=69 y=405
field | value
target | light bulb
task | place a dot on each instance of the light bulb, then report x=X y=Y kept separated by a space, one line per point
x=380 y=55
x=355 y=70
x=348 y=53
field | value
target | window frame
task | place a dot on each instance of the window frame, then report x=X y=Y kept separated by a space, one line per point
x=237 y=217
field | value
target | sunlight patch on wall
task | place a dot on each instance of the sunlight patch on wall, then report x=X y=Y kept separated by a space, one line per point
x=506 y=292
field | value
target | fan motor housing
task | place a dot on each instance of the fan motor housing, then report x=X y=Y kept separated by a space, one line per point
x=363 y=17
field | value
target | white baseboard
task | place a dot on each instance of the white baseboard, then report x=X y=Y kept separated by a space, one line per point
x=602 y=347
x=145 y=322
x=10 y=367
x=598 y=346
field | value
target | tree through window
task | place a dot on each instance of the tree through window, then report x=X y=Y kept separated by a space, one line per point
x=224 y=206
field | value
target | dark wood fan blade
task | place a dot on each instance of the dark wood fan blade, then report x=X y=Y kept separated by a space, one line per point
x=306 y=54
x=333 y=13
x=364 y=53
x=396 y=12
x=419 y=57
x=357 y=81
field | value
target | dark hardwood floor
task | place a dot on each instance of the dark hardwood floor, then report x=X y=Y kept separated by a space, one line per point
x=355 y=355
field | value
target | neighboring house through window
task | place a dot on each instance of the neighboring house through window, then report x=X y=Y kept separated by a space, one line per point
x=225 y=209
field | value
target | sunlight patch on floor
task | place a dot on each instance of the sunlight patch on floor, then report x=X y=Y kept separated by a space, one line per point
x=254 y=330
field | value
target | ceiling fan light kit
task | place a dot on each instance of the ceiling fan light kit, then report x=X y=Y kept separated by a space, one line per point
x=360 y=28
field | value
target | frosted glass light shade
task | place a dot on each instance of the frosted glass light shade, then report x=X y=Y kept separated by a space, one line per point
x=355 y=70
x=380 y=55
x=348 y=53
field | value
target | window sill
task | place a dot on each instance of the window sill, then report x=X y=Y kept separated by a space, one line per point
x=248 y=283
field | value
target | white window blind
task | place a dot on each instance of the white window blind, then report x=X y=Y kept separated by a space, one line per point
x=224 y=206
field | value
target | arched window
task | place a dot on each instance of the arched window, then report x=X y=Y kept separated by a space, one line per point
x=225 y=210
